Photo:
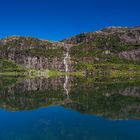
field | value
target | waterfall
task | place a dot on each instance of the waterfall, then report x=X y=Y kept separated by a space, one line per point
x=67 y=59
x=66 y=85
x=67 y=69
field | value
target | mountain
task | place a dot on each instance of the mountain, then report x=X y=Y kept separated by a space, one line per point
x=122 y=41
x=109 y=48
x=123 y=34
x=31 y=52
x=113 y=45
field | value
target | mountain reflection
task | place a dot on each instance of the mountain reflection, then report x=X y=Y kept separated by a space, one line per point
x=114 y=99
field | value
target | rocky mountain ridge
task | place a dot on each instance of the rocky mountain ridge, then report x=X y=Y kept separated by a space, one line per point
x=109 y=45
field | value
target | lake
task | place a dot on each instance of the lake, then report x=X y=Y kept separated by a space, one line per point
x=69 y=108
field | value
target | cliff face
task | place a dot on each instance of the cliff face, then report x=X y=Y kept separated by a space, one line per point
x=131 y=55
x=34 y=53
x=112 y=44
x=37 y=62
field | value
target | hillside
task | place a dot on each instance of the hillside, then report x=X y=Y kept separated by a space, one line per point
x=32 y=52
x=121 y=41
x=112 y=45
x=112 y=48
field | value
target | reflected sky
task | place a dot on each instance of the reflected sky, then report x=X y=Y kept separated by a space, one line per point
x=58 y=123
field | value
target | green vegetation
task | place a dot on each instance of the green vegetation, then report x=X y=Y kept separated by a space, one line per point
x=91 y=53
x=6 y=64
x=8 y=67
x=19 y=42
x=109 y=70
x=97 y=55
x=55 y=73
x=43 y=52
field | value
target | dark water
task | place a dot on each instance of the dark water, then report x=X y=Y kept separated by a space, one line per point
x=69 y=108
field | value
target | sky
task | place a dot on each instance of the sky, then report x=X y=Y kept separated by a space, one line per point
x=59 y=19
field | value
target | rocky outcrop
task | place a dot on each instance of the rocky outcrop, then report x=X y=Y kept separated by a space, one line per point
x=124 y=34
x=39 y=62
x=123 y=41
x=131 y=55
x=34 y=53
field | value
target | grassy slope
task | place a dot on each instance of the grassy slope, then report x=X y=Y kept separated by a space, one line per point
x=100 y=61
x=101 y=50
x=9 y=66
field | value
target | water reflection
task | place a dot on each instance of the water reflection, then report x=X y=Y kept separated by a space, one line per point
x=58 y=123
x=114 y=99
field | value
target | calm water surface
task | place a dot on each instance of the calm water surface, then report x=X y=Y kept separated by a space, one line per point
x=69 y=108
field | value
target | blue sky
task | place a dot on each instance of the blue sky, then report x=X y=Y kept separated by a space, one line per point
x=58 y=19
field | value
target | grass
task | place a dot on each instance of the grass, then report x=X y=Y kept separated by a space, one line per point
x=8 y=67
x=55 y=73
x=44 y=52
